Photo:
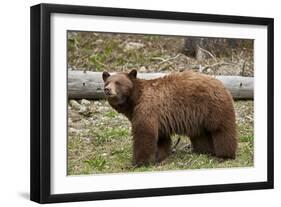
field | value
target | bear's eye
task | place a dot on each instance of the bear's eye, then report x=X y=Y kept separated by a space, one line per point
x=117 y=83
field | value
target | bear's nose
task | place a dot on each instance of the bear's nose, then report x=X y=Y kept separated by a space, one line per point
x=107 y=91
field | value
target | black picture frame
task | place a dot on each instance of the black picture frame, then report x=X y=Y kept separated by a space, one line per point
x=41 y=99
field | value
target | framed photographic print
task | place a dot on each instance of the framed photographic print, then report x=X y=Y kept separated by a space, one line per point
x=133 y=103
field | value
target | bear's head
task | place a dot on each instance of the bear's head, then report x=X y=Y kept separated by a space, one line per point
x=118 y=87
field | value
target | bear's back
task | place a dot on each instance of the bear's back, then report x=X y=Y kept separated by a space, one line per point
x=182 y=101
x=185 y=86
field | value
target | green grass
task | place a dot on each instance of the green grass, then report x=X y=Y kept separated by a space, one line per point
x=97 y=163
x=111 y=114
x=108 y=134
x=106 y=147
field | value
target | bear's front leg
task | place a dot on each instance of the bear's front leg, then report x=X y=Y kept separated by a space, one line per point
x=144 y=143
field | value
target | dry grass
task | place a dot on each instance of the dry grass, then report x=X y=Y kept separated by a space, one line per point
x=147 y=53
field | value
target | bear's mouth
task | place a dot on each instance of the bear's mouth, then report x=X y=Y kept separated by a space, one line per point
x=110 y=95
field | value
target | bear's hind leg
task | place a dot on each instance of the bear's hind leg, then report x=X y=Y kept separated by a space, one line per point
x=163 y=148
x=225 y=143
x=203 y=144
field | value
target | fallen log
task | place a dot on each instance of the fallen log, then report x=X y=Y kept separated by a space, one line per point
x=89 y=85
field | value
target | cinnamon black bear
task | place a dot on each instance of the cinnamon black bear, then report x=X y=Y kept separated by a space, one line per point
x=186 y=103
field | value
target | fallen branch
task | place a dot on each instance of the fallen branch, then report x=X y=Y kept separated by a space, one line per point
x=242 y=73
x=208 y=52
x=202 y=69
x=165 y=60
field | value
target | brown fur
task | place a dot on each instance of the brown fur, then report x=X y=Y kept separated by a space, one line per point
x=186 y=103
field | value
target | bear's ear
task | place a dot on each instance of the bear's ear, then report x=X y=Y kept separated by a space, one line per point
x=105 y=75
x=133 y=74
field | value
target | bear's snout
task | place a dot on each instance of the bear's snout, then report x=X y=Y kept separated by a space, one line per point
x=107 y=91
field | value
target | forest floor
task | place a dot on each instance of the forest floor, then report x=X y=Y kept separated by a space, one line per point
x=99 y=139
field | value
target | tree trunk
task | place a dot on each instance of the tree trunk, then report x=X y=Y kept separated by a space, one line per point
x=219 y=47
x=89 y=85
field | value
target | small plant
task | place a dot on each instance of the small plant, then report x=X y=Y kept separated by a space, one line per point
x=246 y=138
x=97 y=163
x=111 y=114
